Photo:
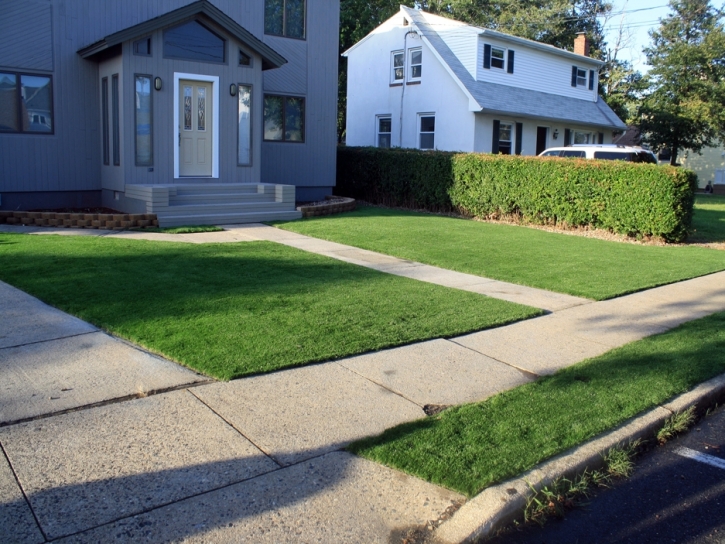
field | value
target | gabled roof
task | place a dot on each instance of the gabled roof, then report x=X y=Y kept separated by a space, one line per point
x=496 y=98
x=270 y=57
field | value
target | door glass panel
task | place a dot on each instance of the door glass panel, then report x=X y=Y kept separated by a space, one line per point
x=187 y=107
x=201 y=108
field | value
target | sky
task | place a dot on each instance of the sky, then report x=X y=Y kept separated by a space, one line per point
x=636 y=17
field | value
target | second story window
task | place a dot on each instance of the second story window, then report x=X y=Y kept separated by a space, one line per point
x=416 y=64
x=397 y=67
x=285 y=18
x=578 y=77
x=497 y=58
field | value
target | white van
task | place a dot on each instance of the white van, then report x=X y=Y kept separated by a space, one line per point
x=607 y=152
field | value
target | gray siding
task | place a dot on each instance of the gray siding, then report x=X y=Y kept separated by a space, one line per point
x=311 y=164
x=27 y=40
x=71 y=158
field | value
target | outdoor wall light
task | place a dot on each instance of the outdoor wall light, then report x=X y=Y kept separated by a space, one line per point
x=157 y=83
x=556 y=133
x=233 y=89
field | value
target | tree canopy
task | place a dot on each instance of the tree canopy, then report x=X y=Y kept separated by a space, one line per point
x=683 y=106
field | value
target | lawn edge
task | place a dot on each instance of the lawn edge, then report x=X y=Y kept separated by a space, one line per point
x=499 y=505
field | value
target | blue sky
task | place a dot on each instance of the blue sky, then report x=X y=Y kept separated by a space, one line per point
x=637 y=17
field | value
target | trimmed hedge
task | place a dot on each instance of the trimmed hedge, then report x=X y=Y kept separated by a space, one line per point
x=632 y=199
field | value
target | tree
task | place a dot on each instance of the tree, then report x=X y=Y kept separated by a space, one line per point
x=683 y=107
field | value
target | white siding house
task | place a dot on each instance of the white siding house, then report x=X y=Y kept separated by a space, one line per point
x=424 y=81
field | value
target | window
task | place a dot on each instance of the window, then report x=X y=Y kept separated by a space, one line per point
x=578 y=77
x=427 y=131
x=104 y=115
x=144 y=121
x=285 y=18
x=416 y=63
x=583 y=138
x=142 y=47
x=497 y=57
x=244 y=125
x=384 y=131
x=505 y=137
x=244 y=59
x=115 y=116
x=580 y=154
x=284 y=118
x=397 y=69
x=193 y=41
x=26 y=103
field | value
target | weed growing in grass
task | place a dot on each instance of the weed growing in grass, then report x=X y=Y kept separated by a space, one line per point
x=675 y=424
x=564 y=494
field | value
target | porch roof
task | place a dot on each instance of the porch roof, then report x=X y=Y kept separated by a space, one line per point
x=270 y=57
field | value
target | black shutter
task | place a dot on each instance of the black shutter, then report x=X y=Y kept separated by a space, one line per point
x=601 y=137
x=494 y=140
x=510 y=67
x=573 y=76
x=519 y=137
x=487 y=56
x=567 y=137
x=591 y=80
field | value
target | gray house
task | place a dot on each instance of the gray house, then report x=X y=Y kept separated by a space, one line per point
x=210 y=111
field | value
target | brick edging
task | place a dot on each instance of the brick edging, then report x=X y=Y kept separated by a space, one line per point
x=108 y=221
x=327 y=209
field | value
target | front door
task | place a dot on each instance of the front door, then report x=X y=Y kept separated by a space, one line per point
x=541 y=134
x=195 y=128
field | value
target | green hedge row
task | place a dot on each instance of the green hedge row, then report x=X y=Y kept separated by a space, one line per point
x=632 y=199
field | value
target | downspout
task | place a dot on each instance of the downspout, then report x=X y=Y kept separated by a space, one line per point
x=405 y=83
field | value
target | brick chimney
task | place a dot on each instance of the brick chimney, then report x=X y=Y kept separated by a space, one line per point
x=581 y=44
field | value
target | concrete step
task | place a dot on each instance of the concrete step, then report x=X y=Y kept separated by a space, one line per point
x=219 y=198
x=226 y=218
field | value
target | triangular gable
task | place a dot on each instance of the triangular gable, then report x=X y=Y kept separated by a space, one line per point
x=270 y=57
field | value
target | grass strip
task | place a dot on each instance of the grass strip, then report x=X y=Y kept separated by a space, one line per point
x=473 y=446
x=708 y=220
x=576 y=265
x=187 y=229
x=229 y=310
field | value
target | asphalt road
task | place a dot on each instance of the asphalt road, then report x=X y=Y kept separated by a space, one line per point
x=670 y=498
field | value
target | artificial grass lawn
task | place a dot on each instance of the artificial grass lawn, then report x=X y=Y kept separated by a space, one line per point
x=576 y=265
x=474 y=446
x=708 y=221
x=228 y=310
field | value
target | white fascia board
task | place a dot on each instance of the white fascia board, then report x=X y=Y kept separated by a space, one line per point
x=541 y=47
x=376 y=30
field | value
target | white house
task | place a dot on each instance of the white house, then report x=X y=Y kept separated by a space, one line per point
x=420 y=80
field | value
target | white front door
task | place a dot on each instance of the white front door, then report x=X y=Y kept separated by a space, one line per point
x=195 y=128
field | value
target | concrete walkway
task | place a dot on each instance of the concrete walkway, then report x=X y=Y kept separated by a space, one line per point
x=127 y=447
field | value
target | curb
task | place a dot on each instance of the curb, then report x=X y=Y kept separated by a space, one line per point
x=497 y=506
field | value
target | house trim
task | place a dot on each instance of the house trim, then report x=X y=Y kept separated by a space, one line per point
x=214 y=80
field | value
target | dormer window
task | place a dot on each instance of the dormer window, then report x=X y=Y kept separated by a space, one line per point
x=579 y=77
x=497 y=57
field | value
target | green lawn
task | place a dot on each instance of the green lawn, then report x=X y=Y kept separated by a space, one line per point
x=708 y=222
x=229 y=310
x=473 y=446
x=576 y=265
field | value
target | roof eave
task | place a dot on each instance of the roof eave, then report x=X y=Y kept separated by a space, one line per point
x=540 y=46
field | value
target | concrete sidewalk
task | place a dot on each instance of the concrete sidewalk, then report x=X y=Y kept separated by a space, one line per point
x=257 y=459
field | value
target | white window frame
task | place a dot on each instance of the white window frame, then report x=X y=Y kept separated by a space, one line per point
x=393 y=68
x=421 y=133
x=411 y=51
x=512 y=135
x=378 y=133
x=502 y=59
x=581 y=78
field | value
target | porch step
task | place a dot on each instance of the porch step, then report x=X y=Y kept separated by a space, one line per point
x=216 y=198
x=217 y=188
x=234 y=206
x=227 y=218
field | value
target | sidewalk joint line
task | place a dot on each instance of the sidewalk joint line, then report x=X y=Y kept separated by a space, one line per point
x=533 y=375
x=393 y=391
x=225 y=420
x=25 y=496
x=51 y=339
x=107 y=402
